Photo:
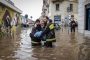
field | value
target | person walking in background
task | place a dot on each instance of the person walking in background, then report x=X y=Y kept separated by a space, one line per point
x=72 y=25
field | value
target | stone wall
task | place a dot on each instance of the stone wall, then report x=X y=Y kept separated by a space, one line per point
x=81 y=15
x=63 y=9
x=81 y=10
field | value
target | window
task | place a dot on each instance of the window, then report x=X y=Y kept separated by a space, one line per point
x=71 y=7
x=57 y=7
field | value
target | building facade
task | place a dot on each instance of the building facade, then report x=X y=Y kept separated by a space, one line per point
x=84 y=17
x=8 y=9
x=62 y=9
x=45 y=8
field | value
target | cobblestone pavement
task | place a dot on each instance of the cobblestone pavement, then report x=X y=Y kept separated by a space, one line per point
x=69 y=46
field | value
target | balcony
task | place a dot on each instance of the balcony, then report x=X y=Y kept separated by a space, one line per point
x=54 y=1
x=10 y=4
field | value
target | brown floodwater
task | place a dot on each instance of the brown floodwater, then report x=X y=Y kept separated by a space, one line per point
x=69 y=46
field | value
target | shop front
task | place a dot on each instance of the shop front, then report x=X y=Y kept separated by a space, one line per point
x=8 y=12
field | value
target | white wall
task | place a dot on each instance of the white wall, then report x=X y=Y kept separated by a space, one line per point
x=63 y=9
x=87 y=33
x=81 y=16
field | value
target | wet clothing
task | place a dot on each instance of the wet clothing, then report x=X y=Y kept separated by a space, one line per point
x=45 y=23
x=38 y=34
x=50 y=35
x=72 y=25
x=35 y=40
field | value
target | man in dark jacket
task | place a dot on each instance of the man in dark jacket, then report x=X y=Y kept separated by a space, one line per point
x=50 y=34
x=72 y=25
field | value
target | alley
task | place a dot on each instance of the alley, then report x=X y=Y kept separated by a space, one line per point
x=69 y=46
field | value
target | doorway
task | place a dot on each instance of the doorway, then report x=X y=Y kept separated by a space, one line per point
x=87 y=24
x=6 y=21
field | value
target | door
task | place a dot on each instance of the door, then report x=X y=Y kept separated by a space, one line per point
x=88 y=17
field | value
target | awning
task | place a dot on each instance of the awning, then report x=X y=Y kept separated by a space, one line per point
x=4 y=2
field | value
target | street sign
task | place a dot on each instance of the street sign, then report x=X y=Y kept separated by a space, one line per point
x=57 y=19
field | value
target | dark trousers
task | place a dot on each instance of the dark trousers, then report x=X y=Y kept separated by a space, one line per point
x=35 y=41
x=72 y=29
x=48 y=44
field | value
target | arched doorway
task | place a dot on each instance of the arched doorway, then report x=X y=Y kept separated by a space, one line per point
x=6 y=18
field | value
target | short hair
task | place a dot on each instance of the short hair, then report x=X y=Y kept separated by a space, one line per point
x=37 y=21
x=47 y=17
x=50 y=21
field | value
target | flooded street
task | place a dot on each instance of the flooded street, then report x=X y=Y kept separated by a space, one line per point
x=69 y=46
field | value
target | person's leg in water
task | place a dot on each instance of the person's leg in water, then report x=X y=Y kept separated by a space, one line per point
x=74 y=29
x=33 y=40
x=71 y=29
x=48 y=44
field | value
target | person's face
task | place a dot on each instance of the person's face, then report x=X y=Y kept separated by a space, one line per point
x=45 y=20
x=42 y=23
x=37 y=23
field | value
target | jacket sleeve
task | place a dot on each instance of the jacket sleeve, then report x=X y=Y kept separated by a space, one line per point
x=33 y=32
x=46 y=31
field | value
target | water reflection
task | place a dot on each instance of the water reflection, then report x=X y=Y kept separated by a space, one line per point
x=73 y=39
x=7 y=48
x=69 y=46
x=84 y=50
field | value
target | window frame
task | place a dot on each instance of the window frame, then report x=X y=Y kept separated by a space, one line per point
x=57 y=7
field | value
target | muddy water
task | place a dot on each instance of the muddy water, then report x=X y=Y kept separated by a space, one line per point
x=69 y=46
